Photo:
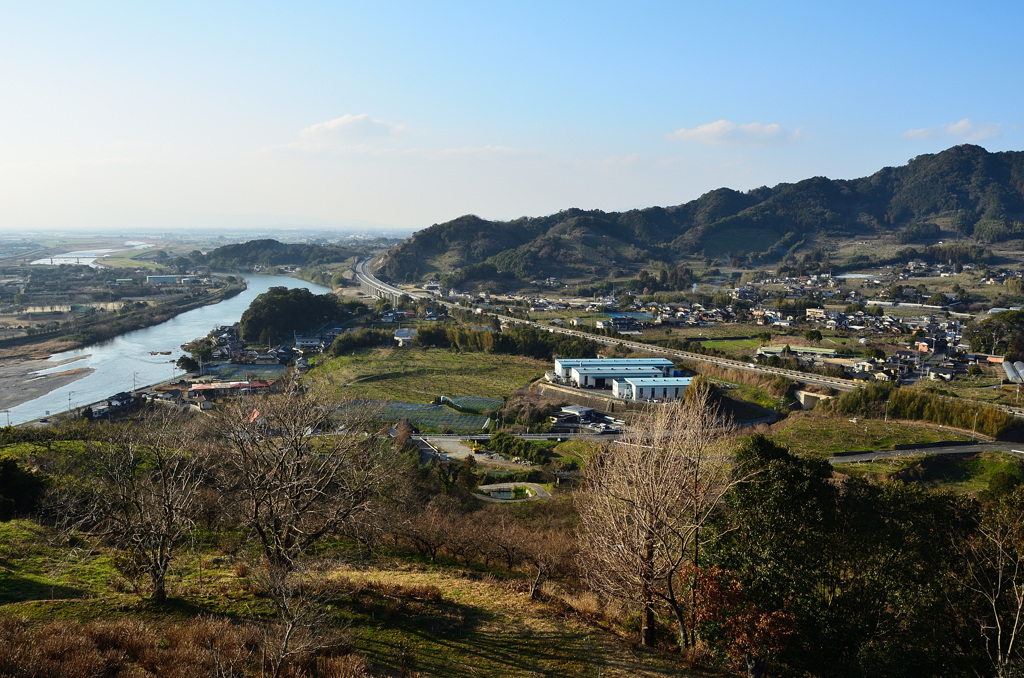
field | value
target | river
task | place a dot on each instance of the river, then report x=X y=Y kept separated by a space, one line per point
x=88 y=257
x=124 y=362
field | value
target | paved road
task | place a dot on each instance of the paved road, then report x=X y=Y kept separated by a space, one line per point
x=364 y=276
x=525 y=436
x=922 y=451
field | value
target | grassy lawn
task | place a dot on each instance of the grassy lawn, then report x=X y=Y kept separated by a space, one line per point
x=816 y=434
x=578 y=451
x=32 y=569
x=404 y=616
x=418 y=375
x=752 y=394
x=27 y=451
x=485 y=627
x=969 y=474
x=732 y=344
x=980 y=388
x=121 y=261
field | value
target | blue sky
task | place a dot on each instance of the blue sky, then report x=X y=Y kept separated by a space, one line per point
x=217 y=114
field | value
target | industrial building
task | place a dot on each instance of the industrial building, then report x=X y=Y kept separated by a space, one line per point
x=563 y=366
x=650 y=388
x=628 y=378
x=601 y=376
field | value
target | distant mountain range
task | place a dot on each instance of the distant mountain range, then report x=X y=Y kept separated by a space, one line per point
x=964 y=189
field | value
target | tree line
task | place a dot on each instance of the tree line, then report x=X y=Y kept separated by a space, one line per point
x=515 y=340
x=734 y=553
x=278 y=312
x=268 y=252
x=916 y=404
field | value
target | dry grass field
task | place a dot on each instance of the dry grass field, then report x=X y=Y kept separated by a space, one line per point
x=419 y=375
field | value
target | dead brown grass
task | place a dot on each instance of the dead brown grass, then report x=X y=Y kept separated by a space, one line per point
x=130 y=649
x=774 y=384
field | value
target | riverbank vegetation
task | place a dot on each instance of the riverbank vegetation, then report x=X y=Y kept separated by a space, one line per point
x=92 y=325
x=280 y=312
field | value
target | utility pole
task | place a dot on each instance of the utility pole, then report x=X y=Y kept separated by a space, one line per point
x=975 y=429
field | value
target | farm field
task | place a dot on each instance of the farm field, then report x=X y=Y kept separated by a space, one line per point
x=437 y=417
x=982 y=389
x=420 y=375
x=748 y=344
x=130 y=262
x=814 y=433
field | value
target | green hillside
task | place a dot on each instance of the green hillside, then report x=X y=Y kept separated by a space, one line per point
x=964 y=191
x=243 y=256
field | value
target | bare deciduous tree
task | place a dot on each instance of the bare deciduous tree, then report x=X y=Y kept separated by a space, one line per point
x=297 y=477
x=646 y=502
x=992 y=570
x=550 y=552
x=143 y=491
x=299 y=594
x=432 y=527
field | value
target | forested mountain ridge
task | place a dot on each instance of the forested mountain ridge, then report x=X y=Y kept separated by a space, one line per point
x=977 y=193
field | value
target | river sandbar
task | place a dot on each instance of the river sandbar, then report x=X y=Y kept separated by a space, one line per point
x=21 y=382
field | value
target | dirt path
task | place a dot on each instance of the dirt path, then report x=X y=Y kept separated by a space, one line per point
x=456 y=449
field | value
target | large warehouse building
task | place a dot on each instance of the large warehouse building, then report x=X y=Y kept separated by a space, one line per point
x=601 y=376
x=563 y=366
x=628 y=378
x=657 y=388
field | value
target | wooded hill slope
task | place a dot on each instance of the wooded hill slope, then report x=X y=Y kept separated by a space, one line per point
x=969 y=190
x=243 y=256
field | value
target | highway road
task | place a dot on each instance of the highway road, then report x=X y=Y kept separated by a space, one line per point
x=366 y=279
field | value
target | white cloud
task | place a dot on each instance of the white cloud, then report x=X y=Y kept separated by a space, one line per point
x=347 y=133
x=965 y=130
x=724 y=132
x=621 y=160
x=349 y=128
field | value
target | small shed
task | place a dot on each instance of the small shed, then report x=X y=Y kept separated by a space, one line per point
x=404 y=337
